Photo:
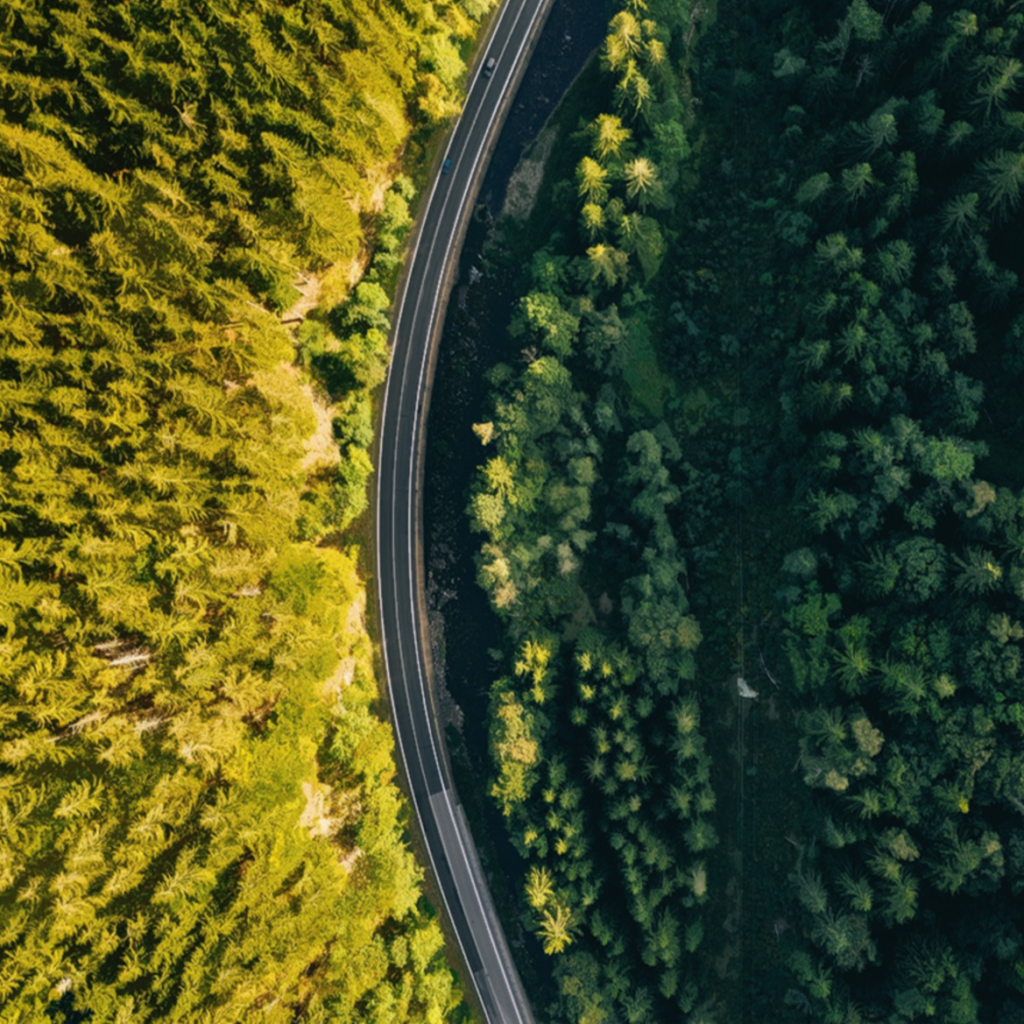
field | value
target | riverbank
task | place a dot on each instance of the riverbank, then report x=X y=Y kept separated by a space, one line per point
x=463 y=630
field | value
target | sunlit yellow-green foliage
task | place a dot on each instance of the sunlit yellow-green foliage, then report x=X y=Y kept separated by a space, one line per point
x=198 y=819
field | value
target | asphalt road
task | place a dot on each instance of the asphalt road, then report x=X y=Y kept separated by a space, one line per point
x=418 y=308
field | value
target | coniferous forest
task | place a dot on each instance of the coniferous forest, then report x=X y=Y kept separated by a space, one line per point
x=751 y=512
x=202 y=210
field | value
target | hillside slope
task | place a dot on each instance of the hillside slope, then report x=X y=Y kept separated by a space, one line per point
x=199 y=818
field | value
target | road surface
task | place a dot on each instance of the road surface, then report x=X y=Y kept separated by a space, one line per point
x=416 y=329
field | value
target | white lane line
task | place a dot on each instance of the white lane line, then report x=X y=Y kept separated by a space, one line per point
x=447 y=149
x=384 y=422
x=485 y=917
x=416 y=433
x=414 y=447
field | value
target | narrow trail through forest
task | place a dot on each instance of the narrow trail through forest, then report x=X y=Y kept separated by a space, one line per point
x=740 y=281
x=736 y=844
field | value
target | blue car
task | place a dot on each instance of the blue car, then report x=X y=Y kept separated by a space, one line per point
x=446 y=166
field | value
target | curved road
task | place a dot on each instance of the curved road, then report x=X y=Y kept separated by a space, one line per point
x=418 y=312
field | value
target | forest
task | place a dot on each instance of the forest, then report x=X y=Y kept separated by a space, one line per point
x=202 y=213
x=751 y=513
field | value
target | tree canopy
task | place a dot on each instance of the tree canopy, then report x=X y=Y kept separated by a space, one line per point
x=756 y=495
x=200 y=819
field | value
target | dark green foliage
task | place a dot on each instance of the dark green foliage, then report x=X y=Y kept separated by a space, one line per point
x=602 y=770
x=795 y=416
x=903 y=644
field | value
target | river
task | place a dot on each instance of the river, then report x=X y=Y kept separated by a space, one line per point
x=463 y=629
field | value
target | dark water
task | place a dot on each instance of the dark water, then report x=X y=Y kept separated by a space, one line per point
x=574 y=29
x=474 y=340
